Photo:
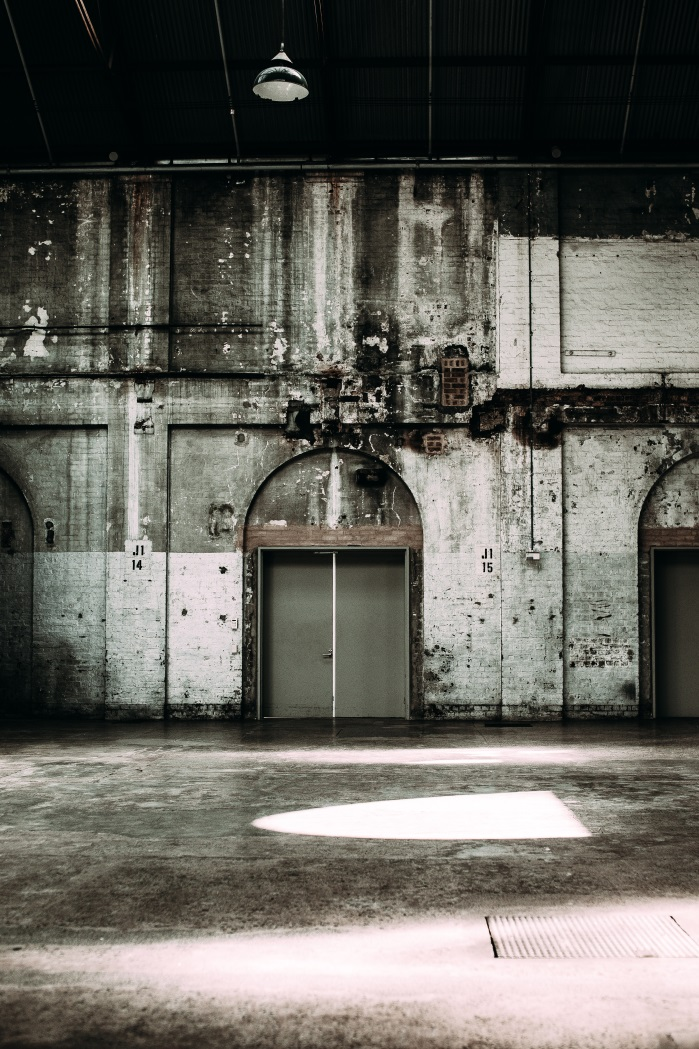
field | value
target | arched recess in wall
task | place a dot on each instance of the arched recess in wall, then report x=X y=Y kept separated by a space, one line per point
x=16 y=583
x=669 y=520
x=339 y=500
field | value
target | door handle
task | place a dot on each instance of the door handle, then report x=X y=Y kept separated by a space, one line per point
x=328 y=655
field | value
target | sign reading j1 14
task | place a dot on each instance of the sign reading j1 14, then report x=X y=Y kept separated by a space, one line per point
x=487 y=559
x=138 y=552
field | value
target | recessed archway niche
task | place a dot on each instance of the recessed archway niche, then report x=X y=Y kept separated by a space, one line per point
x=669 y=520
x=333 y=499
x=16 y=583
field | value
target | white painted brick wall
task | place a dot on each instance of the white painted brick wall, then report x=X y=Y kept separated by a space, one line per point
x=205 y=619
x=532 y=591
x=69 y=632
x=136 y=635
x=610 y=313
x=629 y=306
x=513 y=312
x=457 y=494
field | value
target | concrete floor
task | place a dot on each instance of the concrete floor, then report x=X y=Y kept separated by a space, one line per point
x=140 y=907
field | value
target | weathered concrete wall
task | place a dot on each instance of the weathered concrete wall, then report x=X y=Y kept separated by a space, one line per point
x=87 y=266
x=167 y=344
x=365 y=273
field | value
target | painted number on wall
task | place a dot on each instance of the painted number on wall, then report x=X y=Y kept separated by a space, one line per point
x=137 y=557
x=487 y=559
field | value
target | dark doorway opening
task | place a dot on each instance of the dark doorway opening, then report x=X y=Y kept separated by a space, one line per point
x=676 y=633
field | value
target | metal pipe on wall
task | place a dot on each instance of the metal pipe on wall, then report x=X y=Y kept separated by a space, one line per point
x=287 y=167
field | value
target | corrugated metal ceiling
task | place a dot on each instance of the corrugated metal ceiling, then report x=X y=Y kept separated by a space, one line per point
x=508 y=78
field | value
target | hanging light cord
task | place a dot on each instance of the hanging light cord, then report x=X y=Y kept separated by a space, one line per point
x=282 y=47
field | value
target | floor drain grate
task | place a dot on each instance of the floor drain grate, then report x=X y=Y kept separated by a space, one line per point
x=593 y=936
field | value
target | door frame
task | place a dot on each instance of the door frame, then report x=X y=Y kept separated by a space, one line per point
x=340 y=548
x=653 y=617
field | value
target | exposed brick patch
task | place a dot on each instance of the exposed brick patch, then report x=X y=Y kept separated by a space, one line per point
x=599 y=652
x=455 y=393
x=226 y=710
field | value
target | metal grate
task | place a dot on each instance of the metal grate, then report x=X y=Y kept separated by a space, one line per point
x=591 y=936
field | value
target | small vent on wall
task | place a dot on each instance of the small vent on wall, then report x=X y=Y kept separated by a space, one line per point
x=371 y=477
x=455 y=382
x=434 y=443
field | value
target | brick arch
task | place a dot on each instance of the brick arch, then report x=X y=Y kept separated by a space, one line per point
x=333 y=497
x=669 y=518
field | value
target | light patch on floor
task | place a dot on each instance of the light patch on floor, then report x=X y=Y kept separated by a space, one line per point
x=453 y=817
x=417 y=754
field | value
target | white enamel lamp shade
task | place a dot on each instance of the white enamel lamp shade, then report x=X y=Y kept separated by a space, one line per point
x=279 y=81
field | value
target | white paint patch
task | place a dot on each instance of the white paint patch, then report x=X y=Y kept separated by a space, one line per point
x=34 y=347
x=334 y=505
x=454 y=817
x=279 y=349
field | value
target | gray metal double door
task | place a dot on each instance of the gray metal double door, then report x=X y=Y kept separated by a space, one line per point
x=334 y=633
x=676 y=632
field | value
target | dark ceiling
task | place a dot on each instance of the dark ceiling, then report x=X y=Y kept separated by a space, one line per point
x=600 y=80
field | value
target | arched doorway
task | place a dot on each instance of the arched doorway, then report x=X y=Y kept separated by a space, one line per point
x=333 y=541
x=16 y=574
x=669 y=594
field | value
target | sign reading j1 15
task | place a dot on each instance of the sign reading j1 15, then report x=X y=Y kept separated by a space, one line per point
x=487 y=559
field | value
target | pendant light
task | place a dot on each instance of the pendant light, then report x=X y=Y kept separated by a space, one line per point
x=279 y=81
